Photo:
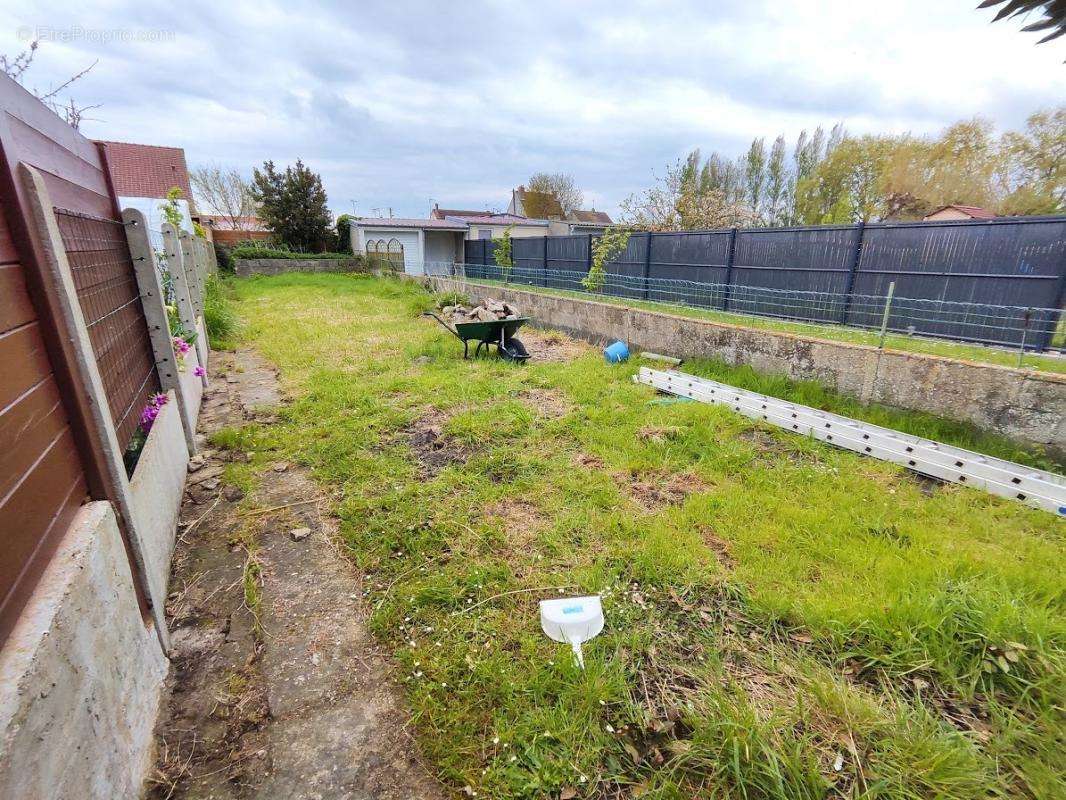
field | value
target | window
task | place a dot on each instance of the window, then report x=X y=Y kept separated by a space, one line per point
x=484 y=233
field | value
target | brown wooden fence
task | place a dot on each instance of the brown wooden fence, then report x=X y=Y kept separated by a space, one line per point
x=51 y=457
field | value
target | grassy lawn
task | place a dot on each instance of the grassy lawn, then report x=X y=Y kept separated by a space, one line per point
x=836 y=333
x=784 y=620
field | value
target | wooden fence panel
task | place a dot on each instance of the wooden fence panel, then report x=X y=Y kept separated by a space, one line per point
x=51 y=451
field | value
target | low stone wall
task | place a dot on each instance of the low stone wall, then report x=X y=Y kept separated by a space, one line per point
x=1027 y=406
x=275 y=266
x=80 y=675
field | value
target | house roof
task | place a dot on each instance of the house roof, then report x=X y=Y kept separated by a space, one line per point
x=406 y=222
x=975 y=212
x=147 y=170
x=545 y=200
x=590 y=217
x=441 y=213
x=487 y=218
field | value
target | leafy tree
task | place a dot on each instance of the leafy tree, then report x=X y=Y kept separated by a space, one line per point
x=559 y=184
x=502 y=253
x=1035 y=165
x=754 y=166
x=778 y=184
x=344 y=233
x=293 y=205
x=606 y=247
x=683 y=200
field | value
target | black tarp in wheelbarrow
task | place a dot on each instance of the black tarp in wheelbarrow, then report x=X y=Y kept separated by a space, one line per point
x=498 y=332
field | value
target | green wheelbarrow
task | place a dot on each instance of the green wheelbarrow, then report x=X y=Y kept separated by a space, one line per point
x=499 y=332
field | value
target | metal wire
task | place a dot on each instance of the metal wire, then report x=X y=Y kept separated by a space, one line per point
x=110 y=299
x=1025 y=329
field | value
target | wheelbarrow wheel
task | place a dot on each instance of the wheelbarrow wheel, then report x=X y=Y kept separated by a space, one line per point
x=514 y=350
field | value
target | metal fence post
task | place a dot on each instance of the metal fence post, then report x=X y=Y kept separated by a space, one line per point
x=155 y=313
x=1025 y=333
x=850 y=287
x=56 y=271
x=647 y=265
x=588 y=255
x=544 y=270
x=730 y=256
x=884 y=317
x=183 y=292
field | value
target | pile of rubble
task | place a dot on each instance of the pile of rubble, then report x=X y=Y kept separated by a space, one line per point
x=488 y=310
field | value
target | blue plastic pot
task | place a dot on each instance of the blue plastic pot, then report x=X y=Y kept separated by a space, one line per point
x=616 y=353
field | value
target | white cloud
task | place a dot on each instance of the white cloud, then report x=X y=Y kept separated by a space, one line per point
x=399 y=102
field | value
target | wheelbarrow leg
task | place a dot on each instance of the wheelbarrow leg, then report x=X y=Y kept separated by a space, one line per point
x=466 y=350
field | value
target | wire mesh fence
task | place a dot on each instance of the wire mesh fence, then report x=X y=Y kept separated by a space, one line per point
x=110 y=299
x=1026 y=329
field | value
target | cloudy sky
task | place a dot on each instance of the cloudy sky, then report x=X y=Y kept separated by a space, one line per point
x=400 y=103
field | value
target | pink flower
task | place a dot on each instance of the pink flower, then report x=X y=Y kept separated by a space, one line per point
x=199 y=372
x=181 y=346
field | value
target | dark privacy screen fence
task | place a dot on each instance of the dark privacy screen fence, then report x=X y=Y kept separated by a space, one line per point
x=998 y=282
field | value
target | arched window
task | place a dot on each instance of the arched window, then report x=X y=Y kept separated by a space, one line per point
x=395 y=254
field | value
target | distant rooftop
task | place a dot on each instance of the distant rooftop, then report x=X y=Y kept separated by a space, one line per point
x=407 y=222
x=973 y=212
x=488 y=218
x=147 y=170
x=590 y=217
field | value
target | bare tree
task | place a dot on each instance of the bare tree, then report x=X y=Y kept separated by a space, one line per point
x=559 y=184
x=223 y=191
x=16 y=68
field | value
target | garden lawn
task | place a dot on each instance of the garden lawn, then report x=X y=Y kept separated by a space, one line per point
x=783 y=619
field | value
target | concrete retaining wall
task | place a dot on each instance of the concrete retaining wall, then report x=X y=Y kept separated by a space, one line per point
x=156 y=488
x=1027 y=406
x=81 y=675
x=276 y=266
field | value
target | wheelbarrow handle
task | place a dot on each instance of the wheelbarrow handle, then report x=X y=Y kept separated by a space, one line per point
x=444 y=324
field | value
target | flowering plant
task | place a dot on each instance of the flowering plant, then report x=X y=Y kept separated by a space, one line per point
x=151 y=411
x=181 y=348
x=199 y=372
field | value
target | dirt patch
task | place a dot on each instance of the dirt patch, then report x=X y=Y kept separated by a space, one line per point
x=659 y=434
x=547 y=402
x=588 y=461
x=516 y=514
x=277 y=688
x=432 y=448
x=655 y=491
x=723 y=551
x=552 y=346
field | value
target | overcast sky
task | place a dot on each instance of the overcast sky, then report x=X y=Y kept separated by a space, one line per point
x=400 y=103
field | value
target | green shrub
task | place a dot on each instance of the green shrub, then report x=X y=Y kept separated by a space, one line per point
x=452 y=299
x=219 y=316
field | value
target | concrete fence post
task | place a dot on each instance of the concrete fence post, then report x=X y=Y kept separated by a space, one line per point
x=56 y=270
x=183 y=293
x=192 y=271
x=155 y=314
